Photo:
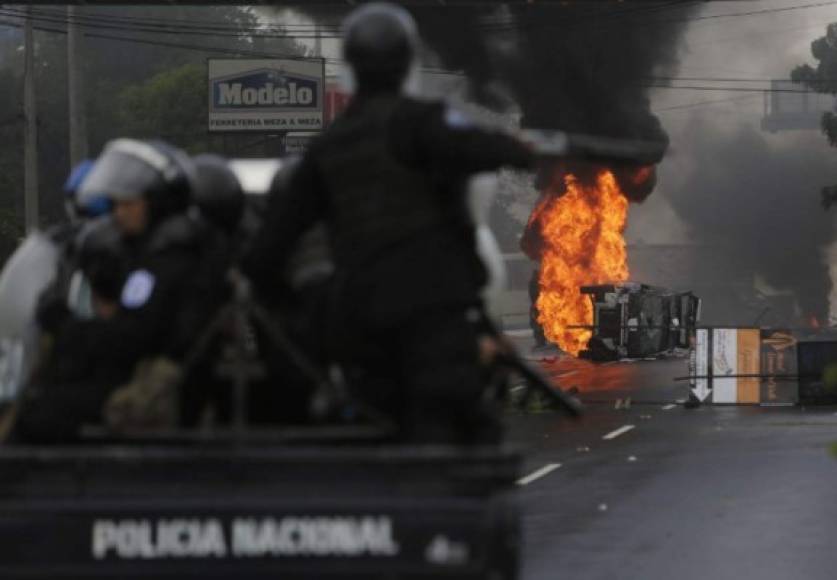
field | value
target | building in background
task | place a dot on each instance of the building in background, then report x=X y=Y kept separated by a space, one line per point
x=790 y=106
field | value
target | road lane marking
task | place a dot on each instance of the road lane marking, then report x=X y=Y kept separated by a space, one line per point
x=669 y=407
x=620 y=431
x=545 y=470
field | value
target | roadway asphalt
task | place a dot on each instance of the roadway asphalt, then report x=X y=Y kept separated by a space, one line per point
x=656 y=491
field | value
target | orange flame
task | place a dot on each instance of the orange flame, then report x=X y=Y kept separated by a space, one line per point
x=582 y=232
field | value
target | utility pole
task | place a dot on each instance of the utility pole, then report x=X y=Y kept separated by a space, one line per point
x=75 y=88
x=30 y=114
x=318 y=39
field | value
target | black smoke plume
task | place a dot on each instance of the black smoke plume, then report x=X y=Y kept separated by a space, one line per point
x=757 y=206
x=582 y=67
x=579 y=66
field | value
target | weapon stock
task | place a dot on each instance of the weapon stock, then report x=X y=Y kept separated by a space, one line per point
x=536 y=380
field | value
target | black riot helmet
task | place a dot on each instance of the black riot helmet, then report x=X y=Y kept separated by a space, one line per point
x=218 y=194
x=380 y=42
x=130 y=169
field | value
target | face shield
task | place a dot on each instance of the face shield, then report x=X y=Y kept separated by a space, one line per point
x=75 y=210
x=127 y=169
x=27 y=273
x=30 y=270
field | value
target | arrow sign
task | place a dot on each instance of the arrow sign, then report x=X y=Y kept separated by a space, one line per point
x=699 y=366
x=702 y=391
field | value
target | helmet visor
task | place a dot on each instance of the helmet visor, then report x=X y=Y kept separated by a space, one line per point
x=118 y=175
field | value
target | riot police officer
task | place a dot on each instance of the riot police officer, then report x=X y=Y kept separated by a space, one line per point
x=388 y=180
x=149 y=185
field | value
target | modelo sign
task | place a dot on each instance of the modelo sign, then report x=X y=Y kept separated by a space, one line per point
x=272 y=95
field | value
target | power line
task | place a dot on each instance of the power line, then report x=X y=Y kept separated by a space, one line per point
x=703 y=104
x=154 y=25
x=733 y=80
x=206 y=24
x=211 y=49
x=652 y=22
x=764 y=11
x=599 y=18
x=217 y=28
x=158 y=29
x=245 y=52
x=727 y=89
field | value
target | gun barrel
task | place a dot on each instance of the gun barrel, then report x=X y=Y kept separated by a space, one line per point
x=591 y=147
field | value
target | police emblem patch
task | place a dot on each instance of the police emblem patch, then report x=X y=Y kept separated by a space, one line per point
x=137 y=289
x=456 y=120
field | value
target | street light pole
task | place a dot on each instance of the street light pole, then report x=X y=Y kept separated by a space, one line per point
x=75 y=89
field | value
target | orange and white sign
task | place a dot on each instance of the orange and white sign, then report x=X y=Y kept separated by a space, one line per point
x=735 y=352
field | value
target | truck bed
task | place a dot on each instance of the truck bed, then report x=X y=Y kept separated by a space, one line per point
x=257 y=511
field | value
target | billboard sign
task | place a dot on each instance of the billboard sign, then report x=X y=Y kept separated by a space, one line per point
x=744 y=366
x=266 y=95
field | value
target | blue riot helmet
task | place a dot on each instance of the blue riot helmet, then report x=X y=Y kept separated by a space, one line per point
x=93 y=207
x=77 y=175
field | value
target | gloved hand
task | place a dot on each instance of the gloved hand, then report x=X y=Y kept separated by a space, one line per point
x=51 y=310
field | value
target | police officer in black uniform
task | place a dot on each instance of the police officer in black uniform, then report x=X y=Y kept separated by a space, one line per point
x=388 y=179
x=151 y=314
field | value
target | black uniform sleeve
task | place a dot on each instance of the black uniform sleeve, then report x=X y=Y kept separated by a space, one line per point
x=139 y=328
x=293 y=208
x=452 y=145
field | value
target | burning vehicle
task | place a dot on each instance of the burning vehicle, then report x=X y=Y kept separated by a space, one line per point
x=576 y=233
x=633 y=320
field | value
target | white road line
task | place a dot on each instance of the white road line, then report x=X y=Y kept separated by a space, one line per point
x=669 y=407
x=545 y=470
x=621 y=430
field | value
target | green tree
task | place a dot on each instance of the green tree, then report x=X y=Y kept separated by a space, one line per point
x=146 y=80
x=822 y=78
x=170 y=105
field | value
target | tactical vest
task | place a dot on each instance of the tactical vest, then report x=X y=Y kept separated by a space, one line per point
x=377 y=200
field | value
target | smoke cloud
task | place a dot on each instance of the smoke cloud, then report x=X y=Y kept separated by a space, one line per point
x=581 y=67
x=755 y=200
x=587 y=67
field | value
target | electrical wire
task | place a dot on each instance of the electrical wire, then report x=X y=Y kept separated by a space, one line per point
x=703 y=104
